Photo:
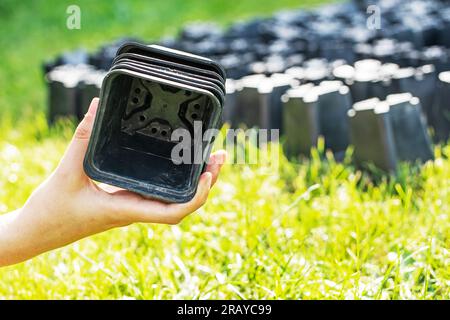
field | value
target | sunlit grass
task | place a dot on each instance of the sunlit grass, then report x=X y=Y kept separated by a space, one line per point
x=260 y=235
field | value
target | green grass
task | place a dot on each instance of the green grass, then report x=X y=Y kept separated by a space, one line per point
x=259 y=236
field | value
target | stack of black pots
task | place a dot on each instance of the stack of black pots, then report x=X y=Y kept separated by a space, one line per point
x=148 y=94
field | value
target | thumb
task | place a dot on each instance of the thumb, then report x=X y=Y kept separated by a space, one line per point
x=74 y=155
x=84 y=129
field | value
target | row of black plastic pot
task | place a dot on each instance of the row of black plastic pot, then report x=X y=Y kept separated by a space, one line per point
x=410 y=33
x=150 y=92
x=304 y=110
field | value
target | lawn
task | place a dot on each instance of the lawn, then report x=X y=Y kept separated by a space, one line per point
x=313 y=229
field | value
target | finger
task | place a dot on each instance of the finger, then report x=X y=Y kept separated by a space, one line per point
x=139 y=209
x=179 y=210
x=74 y=156
x=216 y=161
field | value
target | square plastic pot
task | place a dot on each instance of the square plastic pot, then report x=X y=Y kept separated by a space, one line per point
x=133 y=150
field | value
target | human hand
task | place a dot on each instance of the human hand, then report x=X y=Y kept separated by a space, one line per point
x=69 y=206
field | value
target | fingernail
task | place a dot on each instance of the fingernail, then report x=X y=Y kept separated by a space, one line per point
x=92 y=107
x=221 y=158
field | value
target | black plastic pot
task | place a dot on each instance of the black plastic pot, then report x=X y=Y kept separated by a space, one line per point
x=409 y=128
x=300 y=121
x=150 y=92
x=333 y=102
x=372 y=136
x=247 y=101
x=66 y=90
x=439 y=117
x=310 y=111
x=386 y=132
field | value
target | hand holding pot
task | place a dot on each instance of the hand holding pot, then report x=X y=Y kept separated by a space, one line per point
x=69 y=206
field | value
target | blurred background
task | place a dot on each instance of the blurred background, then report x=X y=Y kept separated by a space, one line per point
x=37 y=31
x=355 y=211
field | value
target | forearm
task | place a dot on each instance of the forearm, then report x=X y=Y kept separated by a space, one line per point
x=69 y=206
x=13 y=248
x=30 y=231
x=38 y=227
x=25 y=234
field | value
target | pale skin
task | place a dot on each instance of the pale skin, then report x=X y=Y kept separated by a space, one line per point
x=69 y=206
